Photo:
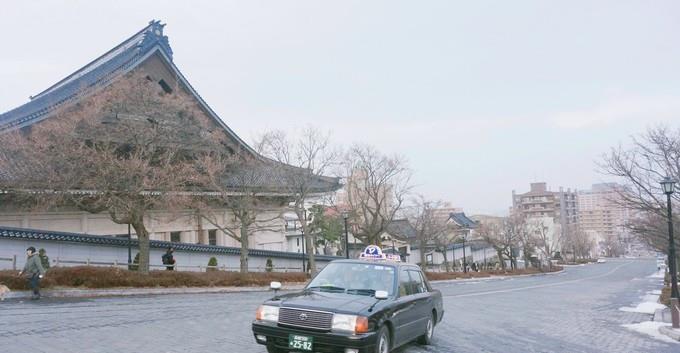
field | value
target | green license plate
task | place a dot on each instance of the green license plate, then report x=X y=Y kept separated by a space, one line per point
x=303 y=343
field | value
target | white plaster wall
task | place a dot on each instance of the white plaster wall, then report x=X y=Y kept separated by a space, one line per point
x=61 y=251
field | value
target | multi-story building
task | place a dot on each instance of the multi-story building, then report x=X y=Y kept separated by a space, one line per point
x=540 y=202
x=541 y=206
x=601 y=215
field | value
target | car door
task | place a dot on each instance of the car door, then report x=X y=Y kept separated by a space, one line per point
x=423 y=302
x=404 y=311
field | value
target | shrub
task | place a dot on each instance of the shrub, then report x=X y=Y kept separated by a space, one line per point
x=212 y=262
x=435 y=276
x=665 y=297
x=269 y=267
x=110 y=277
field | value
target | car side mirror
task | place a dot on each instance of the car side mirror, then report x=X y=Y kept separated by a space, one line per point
x=275 y=286
x=381 y=295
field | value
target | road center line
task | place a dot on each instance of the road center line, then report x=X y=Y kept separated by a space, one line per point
x=536 y=286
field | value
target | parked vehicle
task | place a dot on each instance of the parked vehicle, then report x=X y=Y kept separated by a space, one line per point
x=368 y=305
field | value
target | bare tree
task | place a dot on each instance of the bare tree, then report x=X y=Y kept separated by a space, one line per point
x=492 y=233
x=312 y=156
x=124 y=151
x=504 y=236
x=578 y=242
x=547 y=240
x=430 y=228
x=376 y=188
x=238 y=185
x=651 y=156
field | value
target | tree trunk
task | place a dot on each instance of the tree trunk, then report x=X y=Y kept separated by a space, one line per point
x=527 y=259
x=423 y=262
x=310 y=255
x=446 y=261
x=500 y=258
x=143 y=237
x=244 y=249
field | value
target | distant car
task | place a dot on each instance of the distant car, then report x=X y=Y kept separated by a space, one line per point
x=371 y=305
x=601 y=261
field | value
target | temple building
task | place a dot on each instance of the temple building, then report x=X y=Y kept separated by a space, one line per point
x=146 y=51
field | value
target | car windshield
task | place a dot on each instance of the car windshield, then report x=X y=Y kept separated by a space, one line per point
x=355 y=278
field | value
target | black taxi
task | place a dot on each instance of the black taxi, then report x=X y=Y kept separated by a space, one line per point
x=373 y=304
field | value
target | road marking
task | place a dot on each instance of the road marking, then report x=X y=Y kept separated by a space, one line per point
x=536 y=286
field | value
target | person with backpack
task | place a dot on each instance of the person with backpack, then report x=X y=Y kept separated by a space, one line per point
x=34 y=272
x=168 y=259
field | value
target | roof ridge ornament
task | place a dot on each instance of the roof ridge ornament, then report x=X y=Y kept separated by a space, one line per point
x=154 y=35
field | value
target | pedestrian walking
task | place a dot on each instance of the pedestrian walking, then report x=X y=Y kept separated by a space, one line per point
x=34 y=272
x=168 y=259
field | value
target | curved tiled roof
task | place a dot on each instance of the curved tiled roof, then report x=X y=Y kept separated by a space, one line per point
x=34 y=234
x=462 y=220
x=102 y=71
x=97 y=73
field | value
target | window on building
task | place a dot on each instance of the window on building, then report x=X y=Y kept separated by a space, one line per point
x=428 y=259
x=165 y=86
x=175 y=237
x=212 y=237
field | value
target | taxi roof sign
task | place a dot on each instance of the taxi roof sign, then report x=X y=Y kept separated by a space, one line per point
x=374 y=252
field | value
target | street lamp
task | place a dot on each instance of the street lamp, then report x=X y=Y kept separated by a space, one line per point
x=129 y=246
x=668 y=184
x=345 y=215
x=464 y=257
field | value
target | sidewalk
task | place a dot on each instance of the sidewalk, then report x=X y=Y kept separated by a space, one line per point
x=664 y=315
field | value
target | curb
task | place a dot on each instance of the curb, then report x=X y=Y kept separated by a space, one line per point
x=670 y=332
x=122 y=292
x=491 y=278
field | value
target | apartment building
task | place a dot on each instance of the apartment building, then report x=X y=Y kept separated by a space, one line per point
x=540 y=202
x=600 y=213
x=548 y=211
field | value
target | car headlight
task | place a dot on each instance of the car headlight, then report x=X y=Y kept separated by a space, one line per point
x=350 y=323
x=267 y=313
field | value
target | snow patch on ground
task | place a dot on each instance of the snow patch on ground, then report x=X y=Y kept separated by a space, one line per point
x=645 y=308
x=651 y=328
x=656 y=291
x=650 y=302
x=658 y=274
x=651 y=297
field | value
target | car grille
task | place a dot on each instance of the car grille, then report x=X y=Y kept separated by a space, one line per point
x=317 y=320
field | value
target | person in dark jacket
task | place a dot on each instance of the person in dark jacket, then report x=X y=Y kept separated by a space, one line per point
x=34 y=271
x=169 y=259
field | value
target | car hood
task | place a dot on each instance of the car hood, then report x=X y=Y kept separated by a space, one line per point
x=328 y=301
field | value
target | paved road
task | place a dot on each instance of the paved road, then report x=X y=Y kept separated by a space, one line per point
x=574 y=311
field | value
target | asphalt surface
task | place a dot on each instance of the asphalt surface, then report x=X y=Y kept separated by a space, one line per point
x=574 y=311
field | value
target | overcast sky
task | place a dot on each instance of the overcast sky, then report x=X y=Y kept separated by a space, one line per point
x=482 y=97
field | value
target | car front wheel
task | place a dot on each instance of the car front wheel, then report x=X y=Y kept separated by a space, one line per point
x=383 y=343
x=426 y=339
